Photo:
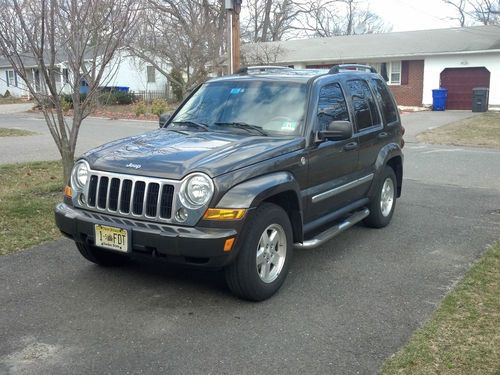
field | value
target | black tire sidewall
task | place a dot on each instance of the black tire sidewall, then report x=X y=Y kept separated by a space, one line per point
x=250 y=284
x=376 y=218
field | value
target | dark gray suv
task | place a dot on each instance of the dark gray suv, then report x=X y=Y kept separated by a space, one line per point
x=247 y=169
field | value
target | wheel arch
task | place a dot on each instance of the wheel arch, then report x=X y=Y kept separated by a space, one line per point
x=279 y=188
x=390 y=155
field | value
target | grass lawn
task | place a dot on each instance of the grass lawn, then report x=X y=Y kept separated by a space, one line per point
x=28 y=193
x=128 y=111
x=6 y=132
x=463 y=335
x=11 y=100
x=482 y=130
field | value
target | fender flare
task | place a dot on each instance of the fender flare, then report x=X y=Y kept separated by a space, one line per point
x=251 y=193
x=387 y=153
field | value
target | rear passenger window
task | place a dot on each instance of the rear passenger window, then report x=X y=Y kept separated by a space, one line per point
x=332 y=105
x=385 y=101
x=365 y=108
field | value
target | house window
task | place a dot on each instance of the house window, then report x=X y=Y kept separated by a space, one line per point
x=394 y=72
x=11 y=78
x=151 y=74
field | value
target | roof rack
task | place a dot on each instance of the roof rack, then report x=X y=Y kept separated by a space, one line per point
x=261 y=69
x=337 y=68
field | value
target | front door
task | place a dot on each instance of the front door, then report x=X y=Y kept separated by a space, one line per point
x=332 y=164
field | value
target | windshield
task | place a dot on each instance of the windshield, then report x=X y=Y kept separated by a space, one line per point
x=269 y=107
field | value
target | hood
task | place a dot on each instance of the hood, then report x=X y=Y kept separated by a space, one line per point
x=173 y=155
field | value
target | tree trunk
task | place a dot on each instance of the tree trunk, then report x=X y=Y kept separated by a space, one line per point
x=68 y=159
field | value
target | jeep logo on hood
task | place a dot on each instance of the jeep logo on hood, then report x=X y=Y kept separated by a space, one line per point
x=132 y=165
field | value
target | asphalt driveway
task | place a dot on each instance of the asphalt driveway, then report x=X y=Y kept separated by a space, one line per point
x=344 y=308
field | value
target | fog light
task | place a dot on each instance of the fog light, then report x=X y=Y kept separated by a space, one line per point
x=181 y=215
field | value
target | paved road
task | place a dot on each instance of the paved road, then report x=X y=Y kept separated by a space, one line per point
x=344 y=308
x=94 y=132
x=14 y=108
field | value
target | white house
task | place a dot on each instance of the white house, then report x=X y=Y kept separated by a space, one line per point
x=123 y=71
x=414 y=62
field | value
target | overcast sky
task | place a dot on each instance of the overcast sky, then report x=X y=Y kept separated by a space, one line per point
x=406 y=15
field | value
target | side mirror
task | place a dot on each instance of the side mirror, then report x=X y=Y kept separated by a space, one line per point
x=164 y=117
x=336 y=131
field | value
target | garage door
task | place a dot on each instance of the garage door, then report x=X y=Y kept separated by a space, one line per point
x=460 y=82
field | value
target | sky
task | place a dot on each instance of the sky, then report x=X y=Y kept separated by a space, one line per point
x=405 y=15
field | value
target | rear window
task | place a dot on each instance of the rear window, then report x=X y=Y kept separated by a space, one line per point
x=365 y=108
x=384 y=98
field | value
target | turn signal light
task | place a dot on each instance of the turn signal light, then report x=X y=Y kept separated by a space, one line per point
x=224 y=214
x=68 y=192
x=228 y=245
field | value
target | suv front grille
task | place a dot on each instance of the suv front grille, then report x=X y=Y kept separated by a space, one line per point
x=130 y=196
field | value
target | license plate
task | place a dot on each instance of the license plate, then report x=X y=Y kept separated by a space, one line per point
x=111 y=238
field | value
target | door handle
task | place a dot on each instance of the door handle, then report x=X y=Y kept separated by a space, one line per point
x=382 y=135
x=351 y=146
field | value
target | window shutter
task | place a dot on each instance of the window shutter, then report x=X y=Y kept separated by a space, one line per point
x=405 y=70
x=7 y=77
x=15 y=78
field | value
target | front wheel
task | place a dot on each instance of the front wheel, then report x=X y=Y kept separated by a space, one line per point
x=265 y=254
x=384 y=201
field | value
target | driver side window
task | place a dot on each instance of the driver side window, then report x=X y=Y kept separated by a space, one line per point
x=332 y=105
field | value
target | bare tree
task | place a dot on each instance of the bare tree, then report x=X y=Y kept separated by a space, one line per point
x=261 y=53
x=486 y=12
x=342 y=17
x=186 y=36
x=274 y=20
x=40 y=38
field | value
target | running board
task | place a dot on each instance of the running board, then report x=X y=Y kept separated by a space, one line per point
x=328 y=234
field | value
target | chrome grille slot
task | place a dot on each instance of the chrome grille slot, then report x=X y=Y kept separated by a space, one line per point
x=137 y=204
x=167 y=195
x=126 y=194
x=102 y=192
x=132 y=196
x=92 y=190
x=114 y=190
x=152 y=199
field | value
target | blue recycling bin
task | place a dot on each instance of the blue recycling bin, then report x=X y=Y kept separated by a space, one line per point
x=439 y=97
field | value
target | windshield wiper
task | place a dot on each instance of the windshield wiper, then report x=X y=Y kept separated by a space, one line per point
x=192 y=123
x=243 y=125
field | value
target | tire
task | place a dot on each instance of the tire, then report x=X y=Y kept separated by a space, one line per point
x=384 y=201
x=99 y=256
x=255 y=280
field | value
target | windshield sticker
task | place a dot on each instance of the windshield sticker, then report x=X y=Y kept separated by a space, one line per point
x=237 y=90
x=288 y=126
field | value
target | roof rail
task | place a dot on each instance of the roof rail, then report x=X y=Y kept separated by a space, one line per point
x=260 y=69
x=337 y=68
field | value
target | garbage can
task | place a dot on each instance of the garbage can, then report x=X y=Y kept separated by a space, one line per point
x=439 y=97
x=480 y=99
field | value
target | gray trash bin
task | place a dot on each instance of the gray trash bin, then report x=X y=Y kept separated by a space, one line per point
x=480 y=99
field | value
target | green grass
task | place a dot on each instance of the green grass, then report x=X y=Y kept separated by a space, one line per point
x=28 y=193
x=463 y=335
x=6 y=132
x=482 y=130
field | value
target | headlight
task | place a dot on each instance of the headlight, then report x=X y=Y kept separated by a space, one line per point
x=80 y=174
x=196 y=190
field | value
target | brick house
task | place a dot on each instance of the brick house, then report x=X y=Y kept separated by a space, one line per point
x=413 y=62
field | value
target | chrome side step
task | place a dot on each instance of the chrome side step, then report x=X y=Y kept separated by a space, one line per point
x=328 y=234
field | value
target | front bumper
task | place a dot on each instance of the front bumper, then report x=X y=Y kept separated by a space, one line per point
x=198 y=246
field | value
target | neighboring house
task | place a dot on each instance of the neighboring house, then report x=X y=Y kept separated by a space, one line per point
x=413 y=62
x=124 y=70
x=10 y=81
x=139 y=76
